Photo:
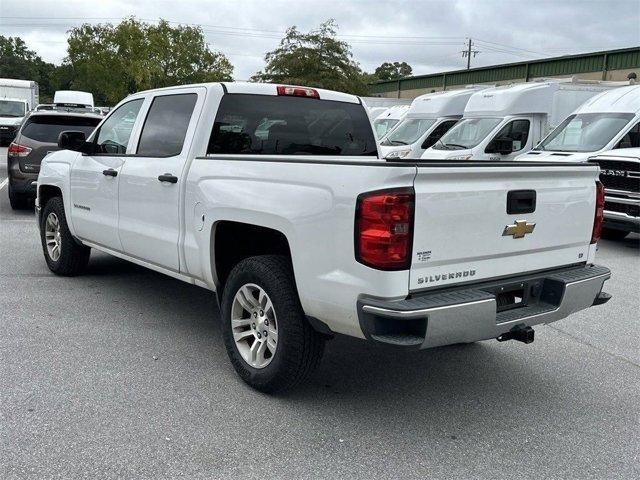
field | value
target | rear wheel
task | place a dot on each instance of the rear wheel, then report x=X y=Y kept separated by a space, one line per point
x=63 y=254
x=270 y=343
x=612 y=234
x=17 y=201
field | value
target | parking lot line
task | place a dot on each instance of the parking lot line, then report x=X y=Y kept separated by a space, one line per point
x=4 y=183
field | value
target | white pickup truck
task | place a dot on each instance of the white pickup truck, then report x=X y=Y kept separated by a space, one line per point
x=275 y=198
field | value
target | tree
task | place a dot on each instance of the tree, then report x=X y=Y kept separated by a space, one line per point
x=316 y=59
x=17 y=61
x=393 y=71
x=114 y=61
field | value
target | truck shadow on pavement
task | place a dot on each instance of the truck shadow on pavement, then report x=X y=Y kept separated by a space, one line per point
x=353 y=372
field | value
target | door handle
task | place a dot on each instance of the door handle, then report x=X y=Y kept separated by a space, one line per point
x=110 y=172
x=167 y=177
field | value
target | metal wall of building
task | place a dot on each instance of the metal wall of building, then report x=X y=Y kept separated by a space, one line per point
x=613 y=65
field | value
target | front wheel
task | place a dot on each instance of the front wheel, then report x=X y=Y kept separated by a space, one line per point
x=270 y=343
x=64 y=256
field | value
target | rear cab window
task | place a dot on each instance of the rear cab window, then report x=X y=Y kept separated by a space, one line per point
x=47 y=128
x=283 y=125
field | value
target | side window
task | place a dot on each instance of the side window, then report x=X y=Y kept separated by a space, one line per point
x=517 y=131
x=631 y=139
x=438 y=132
x=115 y=133
x=166 y=125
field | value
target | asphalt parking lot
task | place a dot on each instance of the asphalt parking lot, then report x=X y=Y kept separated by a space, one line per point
x=122 y=373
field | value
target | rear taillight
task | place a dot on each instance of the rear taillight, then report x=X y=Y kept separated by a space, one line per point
x=297 y=91
x=17 y=150
x=599 y=215
x=384 y=228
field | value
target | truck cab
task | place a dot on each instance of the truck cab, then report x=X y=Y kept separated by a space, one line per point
x=610 y=120
x=17 y=98
x=500 y=123
x=429 y=117
x=12 y=113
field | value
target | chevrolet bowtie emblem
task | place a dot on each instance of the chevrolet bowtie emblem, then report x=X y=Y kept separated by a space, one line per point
x=519 y=229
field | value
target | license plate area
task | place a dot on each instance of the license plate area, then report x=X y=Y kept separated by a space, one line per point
x=516 y=295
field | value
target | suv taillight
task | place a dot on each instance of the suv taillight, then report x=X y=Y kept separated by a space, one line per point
x=599 y=214
x=384 y=228
x=17 y=150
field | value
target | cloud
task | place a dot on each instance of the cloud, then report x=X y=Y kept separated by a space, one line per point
x=429 y=35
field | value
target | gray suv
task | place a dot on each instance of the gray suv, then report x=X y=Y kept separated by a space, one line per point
x=37 y=136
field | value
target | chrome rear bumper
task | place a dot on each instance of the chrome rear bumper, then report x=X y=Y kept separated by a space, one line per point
x=469 y=314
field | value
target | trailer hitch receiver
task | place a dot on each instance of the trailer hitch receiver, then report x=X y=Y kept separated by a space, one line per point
x=521 y=334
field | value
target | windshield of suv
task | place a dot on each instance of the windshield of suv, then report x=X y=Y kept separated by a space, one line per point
x=467 y=133
x=10 y=108
x=585 y=132
x=383 y=125
x=47 y=128
x=408 y=131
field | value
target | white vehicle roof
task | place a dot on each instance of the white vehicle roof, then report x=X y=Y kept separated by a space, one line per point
x=262 y=89
x=442 y=104
x=530 y=97
x=619 y=100
x=376 y=111
x=74 y=97
x=621 y=152
x=21 y=100
x=386 y=102
x=397 y=112
x=12 y=82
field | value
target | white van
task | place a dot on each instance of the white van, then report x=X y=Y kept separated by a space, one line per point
x=386 y=121
x=73 y=98
x=430 y=116
x=500 y=123
x=607 y=121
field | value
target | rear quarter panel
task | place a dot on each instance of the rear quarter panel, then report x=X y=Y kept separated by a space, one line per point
x=313 y=205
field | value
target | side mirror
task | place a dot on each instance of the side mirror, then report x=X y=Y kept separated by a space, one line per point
x=501 y=145
x=72 y=140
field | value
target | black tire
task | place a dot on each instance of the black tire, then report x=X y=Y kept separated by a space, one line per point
x=613 y=234
x=17 y=201
x=73 y=257
x=299 y=348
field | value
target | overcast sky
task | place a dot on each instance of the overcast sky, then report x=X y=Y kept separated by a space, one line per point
x=429 y=35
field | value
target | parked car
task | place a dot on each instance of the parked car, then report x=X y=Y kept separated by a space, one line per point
x=499 y=123
x=620 y=175
x=275 y=197
x=429 y=117
x=37 y=137
x=610 y=120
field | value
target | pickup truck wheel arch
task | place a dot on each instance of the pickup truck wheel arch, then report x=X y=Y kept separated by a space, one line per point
x=235 y=241
x=70 y=258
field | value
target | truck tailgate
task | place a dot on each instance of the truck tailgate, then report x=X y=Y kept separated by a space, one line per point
x=463 y=233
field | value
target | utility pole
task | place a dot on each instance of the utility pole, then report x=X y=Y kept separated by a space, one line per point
x=468 y=52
